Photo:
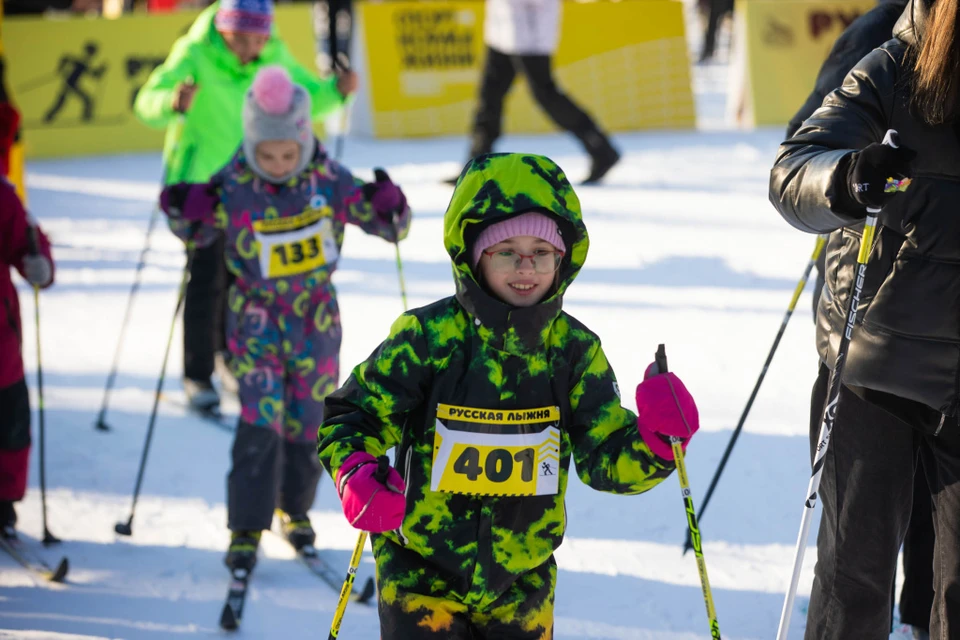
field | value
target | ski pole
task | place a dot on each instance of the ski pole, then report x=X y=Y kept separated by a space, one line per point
x=396 y=246
x=48 y=538
x=126 y=528
x=101 y=423
x=340 y=61
x=694 y=529
x=817 y=250
x=383 y=469
x=381 y=475
x=833 y=394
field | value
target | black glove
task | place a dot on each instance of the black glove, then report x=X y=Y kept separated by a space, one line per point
x=868 y=170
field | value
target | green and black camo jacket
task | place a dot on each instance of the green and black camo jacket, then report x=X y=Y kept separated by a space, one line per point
x=471 y=364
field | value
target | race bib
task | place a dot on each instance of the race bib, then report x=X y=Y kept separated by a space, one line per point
x=298 y=244
x=523 y=463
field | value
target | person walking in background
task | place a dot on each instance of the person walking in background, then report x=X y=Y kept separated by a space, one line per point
x=716 y=11
x=205 y=79
x=899 y=396
x=521 y=37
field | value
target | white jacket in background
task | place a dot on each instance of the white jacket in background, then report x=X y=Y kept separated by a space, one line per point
x=522 y=27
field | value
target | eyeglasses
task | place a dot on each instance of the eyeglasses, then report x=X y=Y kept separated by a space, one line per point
x=543 y=261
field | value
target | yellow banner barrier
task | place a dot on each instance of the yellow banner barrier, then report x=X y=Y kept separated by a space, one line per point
x=626 y=62
x=75 y=79
x=786 y=42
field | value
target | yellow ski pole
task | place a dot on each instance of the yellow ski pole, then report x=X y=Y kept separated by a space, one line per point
x=675 y=442
x=403 y=285
x=383 y=468
x=381 y=475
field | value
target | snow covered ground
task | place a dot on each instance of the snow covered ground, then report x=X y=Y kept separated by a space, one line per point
x=685 y=250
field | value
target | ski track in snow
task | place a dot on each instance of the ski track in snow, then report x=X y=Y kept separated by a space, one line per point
x=685 y=250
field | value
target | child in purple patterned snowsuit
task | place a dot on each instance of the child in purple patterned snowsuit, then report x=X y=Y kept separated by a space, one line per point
x=282 y=204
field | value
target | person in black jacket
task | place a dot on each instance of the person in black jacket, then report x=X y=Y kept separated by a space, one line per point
x=864 y=34
x=900 y=395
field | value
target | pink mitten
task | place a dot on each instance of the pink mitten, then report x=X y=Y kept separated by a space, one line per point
x=665 y=408
x=371 y=492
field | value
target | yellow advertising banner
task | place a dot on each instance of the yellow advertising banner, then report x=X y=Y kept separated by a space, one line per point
x=626 y=62
x=786 y=42
x=74 y=79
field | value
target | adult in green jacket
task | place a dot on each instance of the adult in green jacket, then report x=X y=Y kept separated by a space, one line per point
x=198 y=93
x=211 y=131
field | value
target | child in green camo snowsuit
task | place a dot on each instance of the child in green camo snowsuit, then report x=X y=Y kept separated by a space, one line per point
x=488 y=395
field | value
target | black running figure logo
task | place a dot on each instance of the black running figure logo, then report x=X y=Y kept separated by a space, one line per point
x=547 y=469
x=71 y=70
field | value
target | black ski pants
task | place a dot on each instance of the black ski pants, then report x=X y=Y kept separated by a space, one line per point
x=204 y=310
x=269 y=472
x=499 y=72
x=867 y=494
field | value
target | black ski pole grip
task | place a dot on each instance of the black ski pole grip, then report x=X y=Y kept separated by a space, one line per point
x=661 y=359
x=33 y=244
x=383 y=470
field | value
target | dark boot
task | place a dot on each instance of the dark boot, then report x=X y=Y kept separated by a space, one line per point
x=242 y=554
x=8 y=520
x=602 y=154
x=297 y=530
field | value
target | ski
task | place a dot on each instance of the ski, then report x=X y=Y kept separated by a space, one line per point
x=310 y=558
x=232 y=611
x=212 y=416
x=29 y=560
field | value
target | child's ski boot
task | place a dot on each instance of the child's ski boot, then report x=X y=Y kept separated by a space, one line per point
x=242 y=554
x=297 y=530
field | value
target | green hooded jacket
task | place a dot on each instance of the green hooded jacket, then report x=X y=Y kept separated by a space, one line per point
x=208 y=135
x=458 y=382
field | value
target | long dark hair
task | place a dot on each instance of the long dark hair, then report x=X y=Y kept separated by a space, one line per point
x=935 y=61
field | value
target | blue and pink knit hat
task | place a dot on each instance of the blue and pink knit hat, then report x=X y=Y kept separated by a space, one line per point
x=245 y=16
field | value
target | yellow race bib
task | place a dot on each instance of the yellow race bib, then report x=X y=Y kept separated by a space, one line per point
x=298 y=244
x=520 y=458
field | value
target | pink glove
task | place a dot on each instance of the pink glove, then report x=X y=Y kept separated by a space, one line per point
x=193 y=202
x=371 y=492
x=665 y=408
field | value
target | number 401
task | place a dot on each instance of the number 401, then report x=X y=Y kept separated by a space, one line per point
x=498 y=466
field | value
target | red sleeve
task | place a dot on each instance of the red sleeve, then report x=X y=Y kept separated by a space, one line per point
x=14 y=226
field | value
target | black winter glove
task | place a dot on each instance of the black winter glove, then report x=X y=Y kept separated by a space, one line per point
x=869 y=169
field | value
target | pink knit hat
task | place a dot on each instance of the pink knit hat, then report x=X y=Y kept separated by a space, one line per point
x=532 y=223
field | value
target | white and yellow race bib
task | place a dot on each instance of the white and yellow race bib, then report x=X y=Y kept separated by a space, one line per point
x=298 y=244
x=526 y=463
